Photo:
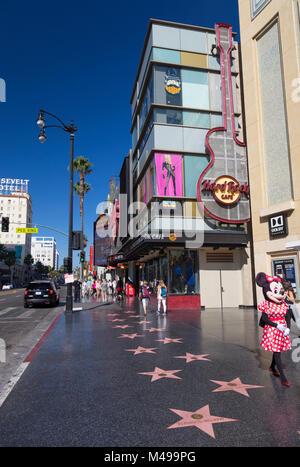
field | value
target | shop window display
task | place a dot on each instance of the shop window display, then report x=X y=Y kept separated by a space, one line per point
x=183 y=272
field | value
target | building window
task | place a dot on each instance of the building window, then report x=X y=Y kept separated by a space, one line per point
x=183 y=271
x=166 y=55
x=193 y=168
x=195 y=89
x=257 y=6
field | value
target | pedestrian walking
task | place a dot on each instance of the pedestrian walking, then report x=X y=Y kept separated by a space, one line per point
x=89 y=285
x=110 y=288
x=162 y=297
x=104 y=290
x=84 y=289
x=98 y=289
x=291 y=300
x=145 y=296
x=275 y=320
x=77 y=290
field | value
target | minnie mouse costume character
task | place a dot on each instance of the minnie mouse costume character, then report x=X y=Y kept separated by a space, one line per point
x=275 y=320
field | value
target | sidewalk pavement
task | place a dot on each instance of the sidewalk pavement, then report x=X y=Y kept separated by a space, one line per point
x=108 y=376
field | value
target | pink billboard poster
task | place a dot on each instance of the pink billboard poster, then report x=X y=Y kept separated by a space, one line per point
x=168 y=174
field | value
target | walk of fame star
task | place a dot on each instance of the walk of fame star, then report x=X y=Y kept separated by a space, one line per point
x=155 y=329
x=234 y=385
x=139 y=350
x=167 y=340
x=129 y=336
x=115 y=320
x=122 y=326
x=190 y=357
x=144 y=321
x=113 y=314
x=158 y=373
x=201 y=419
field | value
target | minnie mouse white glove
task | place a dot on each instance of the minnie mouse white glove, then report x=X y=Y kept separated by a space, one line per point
x=286 y=332
x=281 y=327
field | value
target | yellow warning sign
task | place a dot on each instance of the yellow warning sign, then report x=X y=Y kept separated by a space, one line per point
x=27 y=230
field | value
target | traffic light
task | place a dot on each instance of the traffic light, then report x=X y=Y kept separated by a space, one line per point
x=82 y=256
x=5 y=224
x=67 y=265
x=77 y=240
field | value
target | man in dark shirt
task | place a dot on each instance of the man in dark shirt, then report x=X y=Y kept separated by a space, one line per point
x=77 y=290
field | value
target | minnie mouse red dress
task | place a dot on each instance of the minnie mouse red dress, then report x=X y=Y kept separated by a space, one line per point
x=273 y=339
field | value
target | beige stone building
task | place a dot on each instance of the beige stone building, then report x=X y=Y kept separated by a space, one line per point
x=270 y=46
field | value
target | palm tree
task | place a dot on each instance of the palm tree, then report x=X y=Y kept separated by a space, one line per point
x=81 y=192
x=10 y=260
x=82 y=166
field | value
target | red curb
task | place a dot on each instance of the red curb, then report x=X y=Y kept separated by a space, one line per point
x=41 y=341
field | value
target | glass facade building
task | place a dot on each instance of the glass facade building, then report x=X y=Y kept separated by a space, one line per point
x=177 y=99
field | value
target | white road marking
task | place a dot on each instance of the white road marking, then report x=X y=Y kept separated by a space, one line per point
x=24 y=315
x=6 y=310
x=12 y=382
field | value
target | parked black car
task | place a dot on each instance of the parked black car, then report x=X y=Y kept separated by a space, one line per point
x=43 y=292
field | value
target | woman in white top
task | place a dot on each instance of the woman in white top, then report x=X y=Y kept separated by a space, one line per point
x=162 y=297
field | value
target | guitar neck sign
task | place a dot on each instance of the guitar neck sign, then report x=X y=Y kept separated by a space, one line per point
x=223 y=187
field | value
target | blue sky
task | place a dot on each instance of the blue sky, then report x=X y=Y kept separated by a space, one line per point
x=77 y=60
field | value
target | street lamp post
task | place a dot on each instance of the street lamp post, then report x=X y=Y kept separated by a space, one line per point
x=42 y=138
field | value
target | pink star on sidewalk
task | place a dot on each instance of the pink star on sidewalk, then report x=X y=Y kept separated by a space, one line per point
x=167 y=340
x=155 y=329
x=113 y=314
x=158 y=373
x=201 y=419
x=190 y=357
x=129 y=336
x=139 y=350
x=234 y=385
x=122 y=326
x=144 y=321
x=115 y=320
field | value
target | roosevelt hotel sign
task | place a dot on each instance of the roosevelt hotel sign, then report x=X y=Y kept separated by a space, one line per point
x=8 y=185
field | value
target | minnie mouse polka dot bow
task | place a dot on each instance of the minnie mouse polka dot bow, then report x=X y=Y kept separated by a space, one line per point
x=273 y=278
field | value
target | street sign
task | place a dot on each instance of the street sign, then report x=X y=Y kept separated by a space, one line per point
x=26 y=230
x=69 y=278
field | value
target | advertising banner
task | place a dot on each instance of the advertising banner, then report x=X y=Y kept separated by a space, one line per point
x=169 y=174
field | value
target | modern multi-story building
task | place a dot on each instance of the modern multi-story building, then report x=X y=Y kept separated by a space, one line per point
x=43 y=249
x=17 y=206
x=186 y=175
x=270 y=44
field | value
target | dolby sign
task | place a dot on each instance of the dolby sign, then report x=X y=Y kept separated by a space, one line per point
x=278 y=225
x=13 y=184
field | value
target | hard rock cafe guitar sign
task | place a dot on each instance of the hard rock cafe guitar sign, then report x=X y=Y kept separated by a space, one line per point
x=223 y=186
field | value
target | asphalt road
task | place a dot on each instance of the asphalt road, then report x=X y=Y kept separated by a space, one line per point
x=20 y=329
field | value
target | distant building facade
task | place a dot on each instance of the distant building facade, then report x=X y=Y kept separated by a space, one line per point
x=17 y=206
x=43 y=249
